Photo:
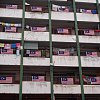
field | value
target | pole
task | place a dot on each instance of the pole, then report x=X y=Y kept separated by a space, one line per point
x=98 y=10
x=51 y=59
x=78 y=51
x=22 y=51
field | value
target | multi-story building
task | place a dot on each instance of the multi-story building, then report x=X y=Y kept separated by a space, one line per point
x=49 y=49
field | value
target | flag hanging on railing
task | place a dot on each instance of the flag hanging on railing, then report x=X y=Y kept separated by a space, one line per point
x=4 y=79
x=67 y=81
x=7 y=46
x=38 y=78
x=6 y=51
x=91 y=80
x=63 y=52
x=10 y=29
x=11 y=6
x=38 y=29
x=89 y=32
x=62 y=30
x=89 y=53
x=34 y=8
x=59 y=8
x=35 y=53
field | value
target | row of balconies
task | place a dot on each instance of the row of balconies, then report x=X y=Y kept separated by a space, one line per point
x=35 y=87
x=72 y=61
x=68 y=16
x=44 y=36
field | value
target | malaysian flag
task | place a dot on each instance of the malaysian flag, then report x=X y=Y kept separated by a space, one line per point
x=92 y=80
x=94 y=54
x=34 y=8
x=63 y=52
x=10 y=29
x=7 y=51
x=95 y=80
x=38 y=29
x=4 y=79
x=67 y=81
x=7 y=46
x=38 y=78
x=89 y=32
x=35 y=53
x=11 y=6
x=62 y=30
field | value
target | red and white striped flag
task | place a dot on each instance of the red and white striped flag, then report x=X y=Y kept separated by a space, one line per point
x=4 y=79
x=38 y=78
x=35 y=53
x=67 y=81
x=62 y=30
x=11 y=6
x=89 y=32
x=10 y=29
x=38 y=29
x=34 y=8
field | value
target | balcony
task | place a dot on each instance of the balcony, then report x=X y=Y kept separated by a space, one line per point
x=36 y=36
x=65 y=61
x=9 y=59
x=17 y=13
x=10 y=36
x=9 y=88
x=35 y=87
x=86 y=1
x=90 y=61
x=87 y=17
x=31 y=61
x=69 y=16
x=89 y=39
x=72 y=61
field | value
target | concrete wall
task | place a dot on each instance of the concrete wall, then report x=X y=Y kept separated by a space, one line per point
x=44 y=36
x=72 y=61
x=10 y=36
x=55 y=15
x=44 y=88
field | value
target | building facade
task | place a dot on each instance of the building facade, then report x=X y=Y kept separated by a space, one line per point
x=49 y=49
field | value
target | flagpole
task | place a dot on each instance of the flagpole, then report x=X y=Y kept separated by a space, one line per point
x=78 y=51
x=22 y=51
x=51 y=58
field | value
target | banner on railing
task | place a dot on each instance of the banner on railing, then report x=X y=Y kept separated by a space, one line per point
x=4 y=79
x=67 y=81
x=34 y=8
x=89 y=32
x=38 y=29
x=38 y=78
x=11 y=6
x=10 y=29
x=62 y=30
x=91 y=80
